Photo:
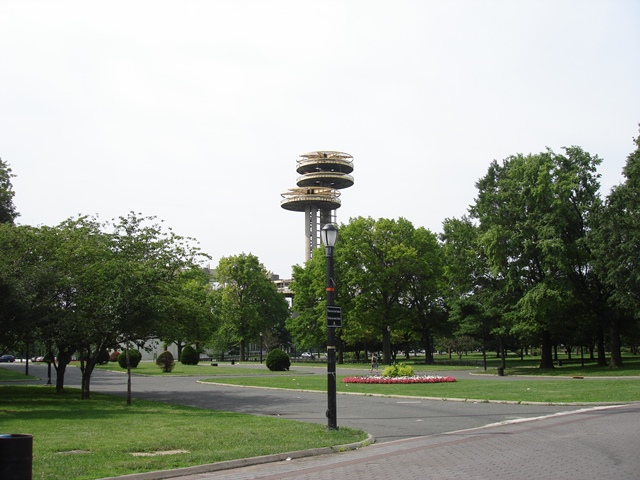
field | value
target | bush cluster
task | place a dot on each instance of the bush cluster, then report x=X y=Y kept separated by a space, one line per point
x=134 y=359
x=103 y=357
x=398 y=370
x=165 y=361
x=278 y=360
x=189 y=356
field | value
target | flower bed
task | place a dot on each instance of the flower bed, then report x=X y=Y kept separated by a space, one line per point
x=376 y=379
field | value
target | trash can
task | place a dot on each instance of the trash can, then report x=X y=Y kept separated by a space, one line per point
x=16 y=456
x=500 y=372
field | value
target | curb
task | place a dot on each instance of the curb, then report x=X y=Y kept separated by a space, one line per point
x=243 y=462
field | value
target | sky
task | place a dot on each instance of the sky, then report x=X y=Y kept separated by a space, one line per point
x=195 y=111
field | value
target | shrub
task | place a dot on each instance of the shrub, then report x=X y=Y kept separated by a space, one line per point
x=165 y=361
x=189 y=356
x=134 y=359
x=103 y=357
x=398 y=370
x=114 y=356
x=278 y=361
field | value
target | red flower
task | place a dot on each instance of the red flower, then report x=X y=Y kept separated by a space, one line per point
x=398 y=380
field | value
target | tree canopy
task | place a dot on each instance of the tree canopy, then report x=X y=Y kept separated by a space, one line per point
x=8 y=211
x=249 y=302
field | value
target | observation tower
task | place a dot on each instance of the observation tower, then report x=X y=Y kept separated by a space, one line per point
x=322 y=175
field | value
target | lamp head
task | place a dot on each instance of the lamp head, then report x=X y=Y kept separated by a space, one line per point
x=329 y=235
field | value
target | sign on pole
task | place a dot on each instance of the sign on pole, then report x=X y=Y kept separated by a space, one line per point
x=334 y=317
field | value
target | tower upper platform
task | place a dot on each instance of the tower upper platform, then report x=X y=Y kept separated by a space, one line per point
x=325 y=168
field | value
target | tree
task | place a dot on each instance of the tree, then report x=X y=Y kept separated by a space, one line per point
x=189 y=309
x=7 y=210
x=109 y=287
x=617 y=243
x=249 y=300
x=534 y=213
x=377 y=260
x=25 y=279
x=127 y=293
x=425 y=296
x=308 y=325
x=474 y=295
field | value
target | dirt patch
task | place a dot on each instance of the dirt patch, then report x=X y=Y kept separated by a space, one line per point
x=156 y=454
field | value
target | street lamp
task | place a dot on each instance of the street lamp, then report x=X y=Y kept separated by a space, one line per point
x=260 y=347
x=329 y=234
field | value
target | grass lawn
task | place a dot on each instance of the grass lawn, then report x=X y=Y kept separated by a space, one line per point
x=536 y=390
x=204 y=369
x=7 y=375
x=76 y=439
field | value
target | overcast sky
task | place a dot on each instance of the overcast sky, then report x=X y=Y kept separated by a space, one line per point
x=196 y=111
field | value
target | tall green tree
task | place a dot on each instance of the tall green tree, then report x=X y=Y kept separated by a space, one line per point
x=308 y=324
x=473 y=292
x=8 y=212
x=380 y=261
x=388 y=278
x=25 y=280
x=249 y=301
x=190 y=305
x=534 y=213
x=425 y=295
x=617 y=245
x=128 y=301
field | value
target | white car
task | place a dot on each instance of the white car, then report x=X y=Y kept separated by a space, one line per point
x=307 y=355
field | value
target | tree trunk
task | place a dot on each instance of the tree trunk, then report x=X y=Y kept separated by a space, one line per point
x=128 y=376
x=386 y=346
x=60 y=369
x=546 y=354
x=428 y=349
x=602 y=356
x=89 y=366
x=614 y=332
x=242 y=354
x=64 y=358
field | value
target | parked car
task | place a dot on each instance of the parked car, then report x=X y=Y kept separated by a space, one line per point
x=7 y=358
x=307 y=355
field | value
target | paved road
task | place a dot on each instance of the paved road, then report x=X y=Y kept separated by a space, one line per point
x=414 y=436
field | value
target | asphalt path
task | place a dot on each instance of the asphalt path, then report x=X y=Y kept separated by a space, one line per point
x=386 y=418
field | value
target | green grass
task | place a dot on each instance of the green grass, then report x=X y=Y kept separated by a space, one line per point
x=202 y=369
x=590 y=369
x=7 y=375
x=536 y=390
x=109 y=432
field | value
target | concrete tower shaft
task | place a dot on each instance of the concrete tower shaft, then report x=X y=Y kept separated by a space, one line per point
x=322 y=175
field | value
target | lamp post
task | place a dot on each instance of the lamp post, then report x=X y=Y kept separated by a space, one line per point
x=260 y=347
x=329 y=235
